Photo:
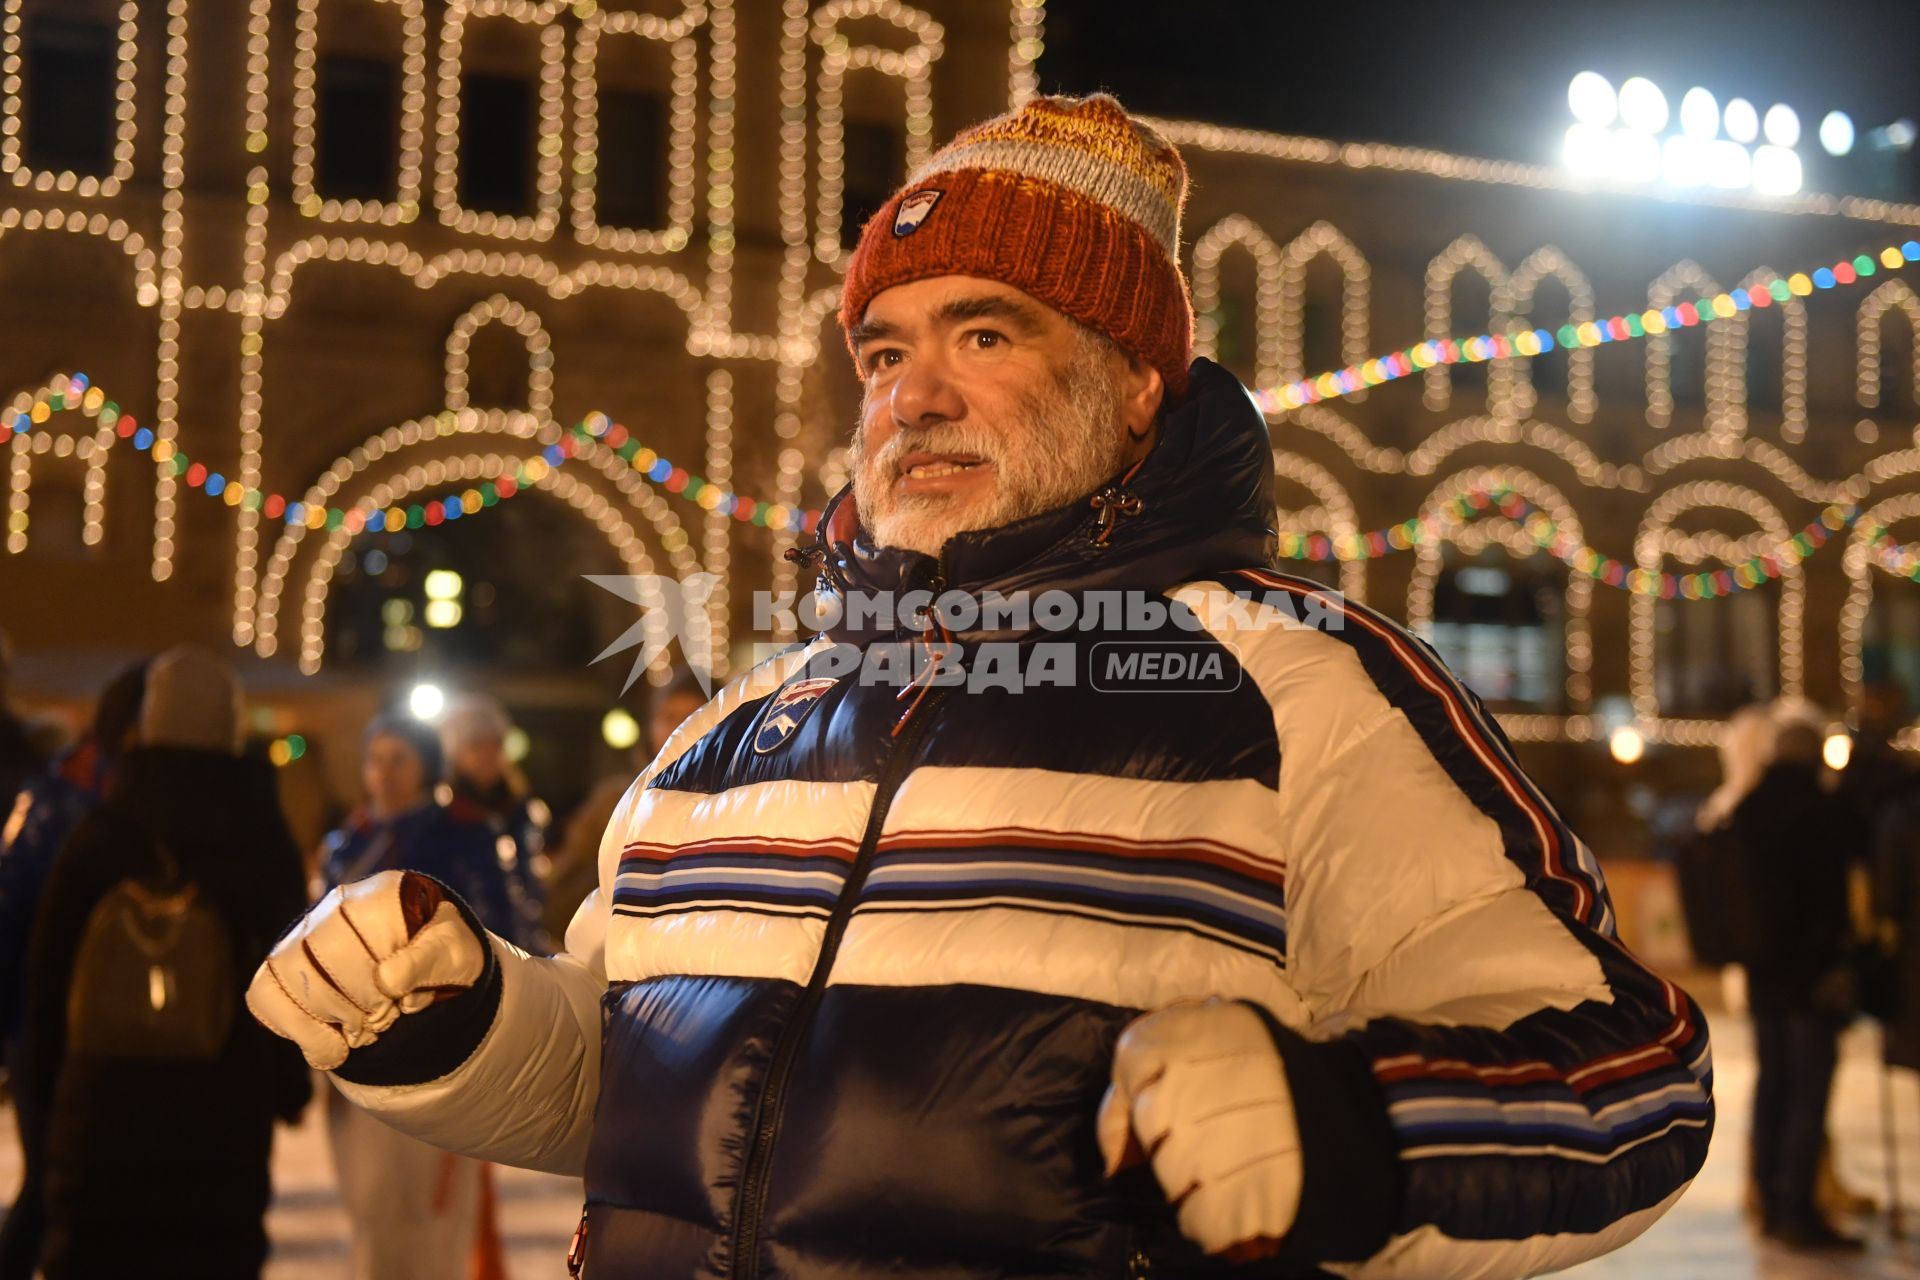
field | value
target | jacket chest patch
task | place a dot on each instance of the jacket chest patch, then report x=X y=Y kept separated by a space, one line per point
x=786 y=709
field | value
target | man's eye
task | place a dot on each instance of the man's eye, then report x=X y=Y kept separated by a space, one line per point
x=883 y=360
x=986 y=339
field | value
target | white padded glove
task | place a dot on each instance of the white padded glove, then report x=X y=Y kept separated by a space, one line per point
x=1199 y=1090
x=365 y=954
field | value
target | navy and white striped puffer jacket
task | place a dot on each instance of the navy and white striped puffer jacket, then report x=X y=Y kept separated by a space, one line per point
x=846 y=1001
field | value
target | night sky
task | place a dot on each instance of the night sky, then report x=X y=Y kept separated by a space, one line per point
x=1489 y=79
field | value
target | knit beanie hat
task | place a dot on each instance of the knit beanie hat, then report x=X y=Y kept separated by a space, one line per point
x=1069 y=200
x=192 y=700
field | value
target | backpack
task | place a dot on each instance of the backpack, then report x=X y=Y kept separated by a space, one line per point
x=1713 y=897
x=153 y=977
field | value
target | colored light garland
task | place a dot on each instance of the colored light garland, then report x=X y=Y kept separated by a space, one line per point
x=77 y=392
x=1540 y=528
x=1527 y=343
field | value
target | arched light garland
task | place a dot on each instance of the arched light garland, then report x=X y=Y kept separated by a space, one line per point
x=78 y=392
x=1621 y=328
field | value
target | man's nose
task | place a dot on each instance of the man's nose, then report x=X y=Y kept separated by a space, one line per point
x=925 y=393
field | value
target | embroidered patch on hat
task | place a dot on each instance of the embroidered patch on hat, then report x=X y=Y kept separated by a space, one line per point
x=914 y=210
x=786 y=709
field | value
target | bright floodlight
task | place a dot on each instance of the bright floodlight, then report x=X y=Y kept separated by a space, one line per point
x=1636 y=157
x=1626 y=744
x=1742 y=121
x=1782 y=125
x=443 y=584
x=427 y=701
x=1776 y=171
x=1591 y=97
x=1900 y=134
x=1837 y=750
x=1728 y=165
x=1699 y=114
x=1683 y=161
x=1588 y=150
x=1836 y=133
x=1643 y=108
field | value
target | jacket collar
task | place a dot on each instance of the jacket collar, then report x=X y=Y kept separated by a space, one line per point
x=1200 y=502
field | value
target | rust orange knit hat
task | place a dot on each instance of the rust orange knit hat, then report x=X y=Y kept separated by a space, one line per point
x=1067 y=199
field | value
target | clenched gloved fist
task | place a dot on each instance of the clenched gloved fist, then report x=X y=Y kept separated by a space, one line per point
x=366 y=953
x=1199 y=1090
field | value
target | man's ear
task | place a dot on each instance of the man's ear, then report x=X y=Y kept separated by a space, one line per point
x=1142 y=390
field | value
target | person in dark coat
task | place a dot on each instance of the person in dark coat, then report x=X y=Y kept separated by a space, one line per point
x=1797 y=838
x=159 y=1167
x=46 y=811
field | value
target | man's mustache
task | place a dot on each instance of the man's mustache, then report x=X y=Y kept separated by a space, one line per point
x=970 y=443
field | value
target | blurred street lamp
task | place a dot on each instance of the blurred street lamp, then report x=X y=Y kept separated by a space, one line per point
x=426 y=701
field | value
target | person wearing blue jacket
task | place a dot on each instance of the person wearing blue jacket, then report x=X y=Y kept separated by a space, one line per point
x=414 y=1209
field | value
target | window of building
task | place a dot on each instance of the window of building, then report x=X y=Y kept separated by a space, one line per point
x=496 y=144
x=876 y=165
x=1896 y=366
x=1500 y=623
x=1687 y=367
x=1472 y=308
x=1766 y=369
x=1890 y=644
x=69 y=109
x=1713 y=657
x=630 y=170
x=359 y=129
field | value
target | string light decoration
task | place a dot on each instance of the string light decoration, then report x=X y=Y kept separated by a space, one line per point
x=1440 y=164
x=1023 y=51
x=544 y=17
x=1870 y=548
x=65 y=180
x=1654 y=322
x=252 y=320
x=1722 y=349
x=392 y=496
x=717 y=534
x=1234 y=231
x=1355 y=283
x=1335 y=518
x=678 y=34
x=1653 y=544
x=501 y=309
x=405 y=207
x=1793 y=359
x=1465 y=252
x=1514 y=300
x=913 y=67
x=1517 y=541
x=173 y=238
x=1869 y=325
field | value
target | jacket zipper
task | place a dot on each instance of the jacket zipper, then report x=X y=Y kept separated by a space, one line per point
x=750 y=1203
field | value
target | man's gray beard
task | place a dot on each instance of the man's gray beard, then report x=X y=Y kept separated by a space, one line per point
x=1062 y=443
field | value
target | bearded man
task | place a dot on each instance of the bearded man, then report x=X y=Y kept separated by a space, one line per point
x=1042 y=968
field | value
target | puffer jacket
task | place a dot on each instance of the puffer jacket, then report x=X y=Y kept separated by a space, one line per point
x=846 y=1002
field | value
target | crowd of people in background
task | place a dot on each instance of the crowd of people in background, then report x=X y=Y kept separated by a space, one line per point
x=145 y=871
x=1804 y=882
